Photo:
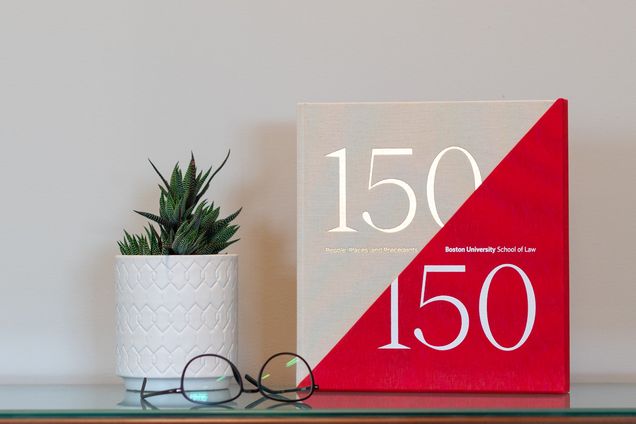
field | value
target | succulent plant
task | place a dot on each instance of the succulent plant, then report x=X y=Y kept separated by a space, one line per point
x=188 y=225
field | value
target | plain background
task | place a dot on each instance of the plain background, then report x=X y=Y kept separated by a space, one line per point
x=90 y=89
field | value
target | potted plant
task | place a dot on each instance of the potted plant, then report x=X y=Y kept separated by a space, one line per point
x=176 y=292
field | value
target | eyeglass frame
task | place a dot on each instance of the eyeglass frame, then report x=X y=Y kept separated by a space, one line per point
x=260 y=388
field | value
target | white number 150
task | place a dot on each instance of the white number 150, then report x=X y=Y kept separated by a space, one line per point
x=463 y=312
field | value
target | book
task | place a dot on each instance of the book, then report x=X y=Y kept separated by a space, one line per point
x=433 y=246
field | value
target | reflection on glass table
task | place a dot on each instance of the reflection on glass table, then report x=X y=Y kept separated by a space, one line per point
x=110 y=400
x=229 y=406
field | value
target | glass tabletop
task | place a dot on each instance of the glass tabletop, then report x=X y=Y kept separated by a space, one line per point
x=113 y=400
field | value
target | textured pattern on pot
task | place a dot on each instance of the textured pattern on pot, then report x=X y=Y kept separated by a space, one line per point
x=171 y=308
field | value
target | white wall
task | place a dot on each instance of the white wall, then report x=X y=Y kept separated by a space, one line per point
x=89 y=90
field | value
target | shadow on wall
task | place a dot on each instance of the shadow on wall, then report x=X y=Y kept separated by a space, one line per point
x=267 y=290
x=602 y=252
x=100 y=303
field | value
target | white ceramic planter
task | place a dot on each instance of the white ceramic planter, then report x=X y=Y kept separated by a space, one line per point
x=171 y=308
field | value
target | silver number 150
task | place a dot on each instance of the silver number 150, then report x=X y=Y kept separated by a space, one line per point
x=341 y=155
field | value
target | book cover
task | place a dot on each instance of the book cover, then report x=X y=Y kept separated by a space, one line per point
x=433 y=246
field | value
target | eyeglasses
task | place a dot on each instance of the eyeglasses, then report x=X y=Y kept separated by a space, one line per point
x=211 y=379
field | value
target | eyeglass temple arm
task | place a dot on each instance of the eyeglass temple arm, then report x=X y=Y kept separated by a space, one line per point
x=253 y=381
x=145 y=394
x=162 y=392
x=298 y=389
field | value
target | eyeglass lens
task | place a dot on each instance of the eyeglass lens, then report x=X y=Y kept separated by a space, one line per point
x=279 y=376
x=209 y=379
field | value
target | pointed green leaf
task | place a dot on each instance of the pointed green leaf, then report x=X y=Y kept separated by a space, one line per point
x=159 y=173
x=176 y=182
x=207 y=185
x=224 y=222
x=159 y=220
x=190 y=182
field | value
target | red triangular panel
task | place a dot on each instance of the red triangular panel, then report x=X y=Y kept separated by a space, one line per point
x=522 y=203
